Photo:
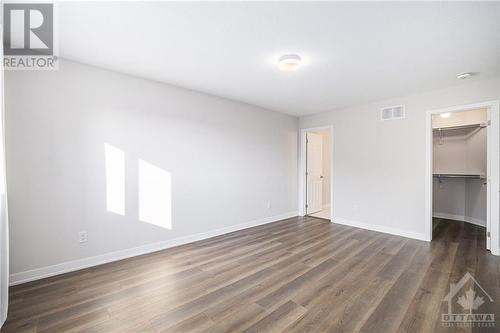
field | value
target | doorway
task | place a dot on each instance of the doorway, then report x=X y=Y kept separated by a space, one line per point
x=462 y=170
x=317 y=171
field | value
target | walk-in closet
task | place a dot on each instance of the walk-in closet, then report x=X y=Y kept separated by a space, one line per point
x=460 y=168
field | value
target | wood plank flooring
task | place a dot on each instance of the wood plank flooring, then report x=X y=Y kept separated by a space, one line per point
x=295 y=275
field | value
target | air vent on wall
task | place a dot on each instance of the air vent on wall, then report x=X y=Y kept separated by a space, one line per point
x=393 y=112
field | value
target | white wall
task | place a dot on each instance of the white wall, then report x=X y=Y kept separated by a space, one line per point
x=449 y=199
x=460 y=199
x=379 y=166
x=227 y=160
x=476 y=203
x=461 y=151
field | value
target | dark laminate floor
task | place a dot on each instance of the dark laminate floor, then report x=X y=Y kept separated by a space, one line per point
x=296 y=275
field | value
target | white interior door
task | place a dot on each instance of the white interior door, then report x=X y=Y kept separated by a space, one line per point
x=314 y=173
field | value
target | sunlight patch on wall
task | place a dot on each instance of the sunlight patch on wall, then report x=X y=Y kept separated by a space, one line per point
x=155 y=197
x=115 y=179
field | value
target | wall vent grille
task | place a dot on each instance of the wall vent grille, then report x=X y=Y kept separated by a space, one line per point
x=393 y=112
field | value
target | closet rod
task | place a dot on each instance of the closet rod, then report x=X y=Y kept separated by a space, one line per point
x=440 y=176
x=454 y=175
x=449 y=128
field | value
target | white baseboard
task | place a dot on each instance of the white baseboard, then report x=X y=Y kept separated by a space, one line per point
x=468 y=219
x=74 y=265
x=379 y=228
x=448 y=216
x=475 y=221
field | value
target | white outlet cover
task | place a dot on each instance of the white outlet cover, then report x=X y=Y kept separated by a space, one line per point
x=82 y=236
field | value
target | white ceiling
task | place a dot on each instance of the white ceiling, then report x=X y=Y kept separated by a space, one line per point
x=353 y=52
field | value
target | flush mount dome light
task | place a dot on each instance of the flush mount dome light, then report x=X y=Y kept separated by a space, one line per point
x=289 y=62
x=445 y=115
x=463 y=76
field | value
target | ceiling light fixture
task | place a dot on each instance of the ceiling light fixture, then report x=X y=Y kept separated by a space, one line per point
x=463 y=76
x=289 y=63
x=445 y=115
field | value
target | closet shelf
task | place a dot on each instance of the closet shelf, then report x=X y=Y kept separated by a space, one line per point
x=441 y=130
x=450 y=128
x=459 y=175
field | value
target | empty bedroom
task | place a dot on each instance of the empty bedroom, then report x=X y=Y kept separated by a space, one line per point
x=249 y=166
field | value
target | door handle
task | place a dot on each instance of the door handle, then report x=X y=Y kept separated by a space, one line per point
x=321 y=176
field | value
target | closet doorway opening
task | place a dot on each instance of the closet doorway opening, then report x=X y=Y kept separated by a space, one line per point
x=317 y=172
x=463 y=173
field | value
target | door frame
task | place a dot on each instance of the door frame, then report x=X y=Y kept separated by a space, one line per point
x=493 y=168
x=303 y=168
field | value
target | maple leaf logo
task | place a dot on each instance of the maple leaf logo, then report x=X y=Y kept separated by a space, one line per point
x=470 y=301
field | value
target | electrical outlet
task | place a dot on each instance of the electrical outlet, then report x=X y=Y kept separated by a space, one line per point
x=82 y=237
x=268 y=205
